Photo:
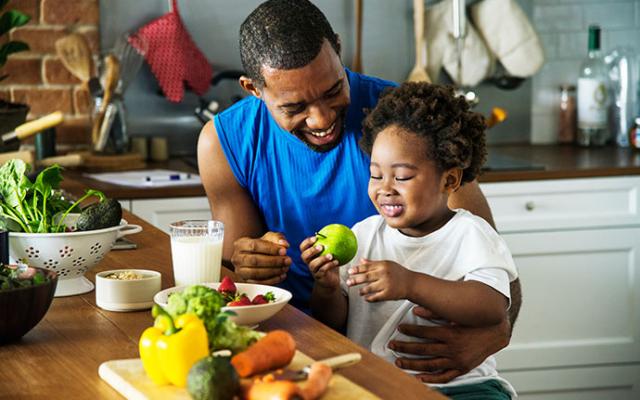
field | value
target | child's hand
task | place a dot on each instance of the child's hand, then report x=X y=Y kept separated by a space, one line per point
x=324 y=269
x=382 y=280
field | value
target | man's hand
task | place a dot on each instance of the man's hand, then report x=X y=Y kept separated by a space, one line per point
x=262 y=260
x=324 y=269
x=381 y=280
x=456 y=349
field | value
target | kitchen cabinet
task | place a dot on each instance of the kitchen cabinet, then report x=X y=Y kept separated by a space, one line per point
x=576 y=243
x=162 y=212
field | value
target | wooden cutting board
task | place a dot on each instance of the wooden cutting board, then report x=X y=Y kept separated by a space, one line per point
x=116 y=162
x=128 y=378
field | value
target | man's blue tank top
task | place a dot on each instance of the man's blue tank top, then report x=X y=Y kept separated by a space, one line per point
x=298 y=190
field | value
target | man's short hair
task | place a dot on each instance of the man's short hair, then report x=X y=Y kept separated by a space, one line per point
x=283 y=34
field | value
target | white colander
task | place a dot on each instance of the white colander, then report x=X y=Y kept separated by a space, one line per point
x=70 y=254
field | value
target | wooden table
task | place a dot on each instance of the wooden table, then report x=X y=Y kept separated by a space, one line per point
x=59 y=358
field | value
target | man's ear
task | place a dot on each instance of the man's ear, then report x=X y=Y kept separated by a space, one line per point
x=451 y=180
x=249 y=86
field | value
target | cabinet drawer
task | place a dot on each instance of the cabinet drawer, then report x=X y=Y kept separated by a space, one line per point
x=566 y=203
x=619 y=382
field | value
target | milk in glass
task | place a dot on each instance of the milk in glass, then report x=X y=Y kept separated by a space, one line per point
x=196 y=259
x=196 y=251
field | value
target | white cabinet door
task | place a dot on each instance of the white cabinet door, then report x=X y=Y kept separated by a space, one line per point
x=162 y=212
x=581 y=299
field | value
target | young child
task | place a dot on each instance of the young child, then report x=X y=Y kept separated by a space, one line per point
x=424 y=144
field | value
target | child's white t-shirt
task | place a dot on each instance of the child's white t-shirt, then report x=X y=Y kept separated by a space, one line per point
x=466 y=247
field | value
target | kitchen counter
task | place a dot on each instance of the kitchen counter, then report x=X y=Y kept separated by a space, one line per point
x=506 y=163
x=561 y=162
x=60 y=357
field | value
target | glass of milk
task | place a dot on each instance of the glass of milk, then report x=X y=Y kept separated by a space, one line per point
x=196 y=251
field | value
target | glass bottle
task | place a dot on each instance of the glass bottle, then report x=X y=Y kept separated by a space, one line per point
x=567 y=114
x=593 y=96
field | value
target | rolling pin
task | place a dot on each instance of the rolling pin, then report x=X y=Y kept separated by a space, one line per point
x=32 y=127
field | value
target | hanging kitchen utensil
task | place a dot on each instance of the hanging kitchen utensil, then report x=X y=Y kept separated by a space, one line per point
x=459 y=34
x=419 y=71
x=173 y=56
x=511 y=39
x=356 y=64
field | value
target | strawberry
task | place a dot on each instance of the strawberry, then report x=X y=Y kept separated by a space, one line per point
x=227 y=286
x=259 y=299
x=241 y=301
x=264 y=298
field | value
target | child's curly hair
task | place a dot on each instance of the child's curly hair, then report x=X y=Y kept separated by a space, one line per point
x=455 y=136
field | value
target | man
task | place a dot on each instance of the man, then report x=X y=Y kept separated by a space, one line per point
x=282 y=163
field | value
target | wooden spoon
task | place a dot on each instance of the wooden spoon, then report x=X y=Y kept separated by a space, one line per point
x=75 y=55
x=356 y=65
x=111 y=77
x=419 y=72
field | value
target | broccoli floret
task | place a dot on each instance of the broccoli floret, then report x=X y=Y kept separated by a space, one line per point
x=207 y=303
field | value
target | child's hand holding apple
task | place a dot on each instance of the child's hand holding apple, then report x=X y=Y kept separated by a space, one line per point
x=332 y=246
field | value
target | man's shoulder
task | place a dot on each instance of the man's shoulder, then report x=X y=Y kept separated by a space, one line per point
x=240 y=107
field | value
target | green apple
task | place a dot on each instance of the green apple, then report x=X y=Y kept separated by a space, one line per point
x=338 y=240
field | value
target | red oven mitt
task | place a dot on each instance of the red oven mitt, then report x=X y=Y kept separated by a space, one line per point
x=174 y=58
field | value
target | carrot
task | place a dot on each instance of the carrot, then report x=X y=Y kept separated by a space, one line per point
x=317 y=382
x=276 y=390
x=275 y=350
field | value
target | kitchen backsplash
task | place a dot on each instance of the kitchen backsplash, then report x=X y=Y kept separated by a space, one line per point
x=37 y=77
x=387 y=53
x=562 y=26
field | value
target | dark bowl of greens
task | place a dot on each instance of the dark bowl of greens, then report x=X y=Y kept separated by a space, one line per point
x=25 y=296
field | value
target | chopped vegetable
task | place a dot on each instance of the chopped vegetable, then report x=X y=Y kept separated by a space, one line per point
x=269 y=389
x=275 y=350
x=170 y=348
x=207 y=303
x=16 y=276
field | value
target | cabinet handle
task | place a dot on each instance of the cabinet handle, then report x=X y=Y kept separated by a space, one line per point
x=529 y=205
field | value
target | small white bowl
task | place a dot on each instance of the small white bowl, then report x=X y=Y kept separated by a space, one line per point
x=246 y=315
x=127 y=295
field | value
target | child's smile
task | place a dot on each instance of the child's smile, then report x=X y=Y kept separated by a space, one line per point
x=405 y=186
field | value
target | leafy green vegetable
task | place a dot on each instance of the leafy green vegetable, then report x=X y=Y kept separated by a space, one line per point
x=13 y=276
x=207 y=303
x=36 y=207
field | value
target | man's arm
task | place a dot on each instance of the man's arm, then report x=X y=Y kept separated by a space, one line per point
x=229 y=202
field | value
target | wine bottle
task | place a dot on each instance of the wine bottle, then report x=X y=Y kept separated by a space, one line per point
x=593 y=95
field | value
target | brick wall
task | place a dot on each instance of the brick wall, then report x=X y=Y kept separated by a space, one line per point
x=562 y=26
x=37 y=77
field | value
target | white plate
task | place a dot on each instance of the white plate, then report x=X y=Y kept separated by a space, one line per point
x=246 y=315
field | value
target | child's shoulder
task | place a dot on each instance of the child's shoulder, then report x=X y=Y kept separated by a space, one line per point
x=369 y=224
x=466 y=220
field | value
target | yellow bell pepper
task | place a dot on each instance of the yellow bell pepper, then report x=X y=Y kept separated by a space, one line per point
x=170 y=348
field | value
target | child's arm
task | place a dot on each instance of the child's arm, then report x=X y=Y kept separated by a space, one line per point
x=468 y=303
x=328 y=304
